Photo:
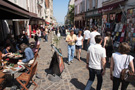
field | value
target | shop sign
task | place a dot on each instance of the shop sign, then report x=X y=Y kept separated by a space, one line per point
x=110 y=7
x=92 y=13
x=79 y=17
x=106 y=9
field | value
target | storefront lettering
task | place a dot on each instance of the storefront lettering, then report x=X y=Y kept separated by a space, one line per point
x=105 y=10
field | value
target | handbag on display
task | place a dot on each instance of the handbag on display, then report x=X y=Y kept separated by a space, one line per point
x=126 y=73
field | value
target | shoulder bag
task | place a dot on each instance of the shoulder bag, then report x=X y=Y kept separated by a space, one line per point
x=126 y=73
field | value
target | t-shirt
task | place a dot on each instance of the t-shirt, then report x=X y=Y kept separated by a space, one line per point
x=92 y=37
x=38 y=33
x=119 y=62
x=69 y=37
x=86 y=34
x=96 y=53
x=79 y=40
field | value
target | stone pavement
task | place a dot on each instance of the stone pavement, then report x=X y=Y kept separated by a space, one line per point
x=74 y=77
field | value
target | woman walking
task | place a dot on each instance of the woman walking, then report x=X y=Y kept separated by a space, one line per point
x=79 y=45
x=108 y=45
x=119 y=61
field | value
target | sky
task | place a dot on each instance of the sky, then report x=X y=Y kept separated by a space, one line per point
x=60 y=8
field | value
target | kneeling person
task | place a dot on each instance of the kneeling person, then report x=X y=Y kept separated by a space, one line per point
x=29 y=55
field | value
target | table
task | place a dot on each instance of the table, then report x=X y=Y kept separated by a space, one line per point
x=13 y=58
x=9 y=76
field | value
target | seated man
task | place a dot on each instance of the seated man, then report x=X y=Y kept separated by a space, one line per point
x=29 y=55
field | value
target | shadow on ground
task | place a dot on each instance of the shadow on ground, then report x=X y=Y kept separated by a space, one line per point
x=78 y=84
x=65 y=59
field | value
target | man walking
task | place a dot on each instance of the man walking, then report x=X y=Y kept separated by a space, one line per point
x=71 y=39
x=92 y=35
x=96 y=60
x=86 y=37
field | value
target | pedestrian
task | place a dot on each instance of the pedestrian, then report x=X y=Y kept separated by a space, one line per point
x=71 y=39
x=46 y=35
x=118 y=64
x=108 y=45
x=86 y=37
x=79 y=45
x=96 y=60
x=38 y=34
x=94 y=32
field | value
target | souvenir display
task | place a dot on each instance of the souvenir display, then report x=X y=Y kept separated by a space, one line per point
x=131 y=27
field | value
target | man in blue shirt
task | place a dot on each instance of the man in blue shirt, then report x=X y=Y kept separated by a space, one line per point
x=29 y=55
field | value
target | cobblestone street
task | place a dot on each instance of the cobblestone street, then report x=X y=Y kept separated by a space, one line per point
x=74 y=77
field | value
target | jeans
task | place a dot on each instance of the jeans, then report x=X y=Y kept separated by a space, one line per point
x=71 y=51
x=92 y=73
x=46 y=38
x=116 y=84
x=39 y=38
x=85 y=45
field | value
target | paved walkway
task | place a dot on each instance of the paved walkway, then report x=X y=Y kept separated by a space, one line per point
x=74 y=77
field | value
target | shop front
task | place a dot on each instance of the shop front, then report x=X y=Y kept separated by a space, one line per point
x=93 y=18
x=130 y=36
x=114 y=20
x=9 y=19
x=79 y=20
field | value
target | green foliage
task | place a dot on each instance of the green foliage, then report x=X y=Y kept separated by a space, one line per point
x=56 y=40
x=71 y=14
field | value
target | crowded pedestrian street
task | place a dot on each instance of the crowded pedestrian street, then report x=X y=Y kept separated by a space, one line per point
x=74 y=76
x=67 y=44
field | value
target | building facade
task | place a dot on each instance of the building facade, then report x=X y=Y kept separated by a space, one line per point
x=79 y=16
x=49 y=12
x=23 y=15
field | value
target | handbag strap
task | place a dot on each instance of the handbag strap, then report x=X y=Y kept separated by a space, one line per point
x=126 y=61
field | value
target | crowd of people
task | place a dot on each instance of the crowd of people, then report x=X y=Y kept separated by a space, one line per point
x=20 y=44
x=100 y=51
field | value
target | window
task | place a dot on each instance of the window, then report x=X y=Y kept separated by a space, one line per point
x=87 y=5
x=93 y=3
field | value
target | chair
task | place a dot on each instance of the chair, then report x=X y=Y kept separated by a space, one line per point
x=37 y=47
x=35 y=57
x=2 y=80
x=27 y=77
x=0 y=55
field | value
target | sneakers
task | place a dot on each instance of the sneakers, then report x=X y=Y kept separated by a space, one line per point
x=71 y=61
x=68 y=63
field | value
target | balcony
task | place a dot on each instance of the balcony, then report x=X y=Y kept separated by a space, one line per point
x=39 y=2
x=108 y=2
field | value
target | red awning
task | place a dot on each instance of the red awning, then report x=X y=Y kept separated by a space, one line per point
x=109 y=7
x=47 y=23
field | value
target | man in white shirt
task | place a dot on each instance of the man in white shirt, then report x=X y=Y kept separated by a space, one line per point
x=92 y=35
x=86 y=37
x=96 y=60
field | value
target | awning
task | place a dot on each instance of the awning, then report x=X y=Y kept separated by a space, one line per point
x=9 y=10
x=47 y=22
x=35 y=20
x=109 y=7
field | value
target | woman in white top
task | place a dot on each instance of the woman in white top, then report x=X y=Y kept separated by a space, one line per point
x=118 y=64
x=79 y=45
x=38 y=34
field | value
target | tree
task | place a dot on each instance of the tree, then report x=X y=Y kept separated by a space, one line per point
x=71 y=14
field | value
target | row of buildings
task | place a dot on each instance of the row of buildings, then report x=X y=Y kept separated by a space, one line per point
x=118 y=16
x=97 y=11
x=25 y=15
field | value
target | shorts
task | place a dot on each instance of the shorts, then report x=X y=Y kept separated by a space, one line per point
x=78 y=47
